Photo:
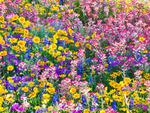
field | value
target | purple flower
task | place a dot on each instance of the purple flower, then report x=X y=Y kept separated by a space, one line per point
x=15 y=106
x=145 y=108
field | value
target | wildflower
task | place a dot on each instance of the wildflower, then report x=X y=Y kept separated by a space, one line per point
x=53 y=46
x=2 y=109
x=141 y=39
x=73 y=90
x=114 y=105
x=21 y=43
x=25 y=89
x=70 y=31
x=31 y=84
x=102 y=111
x=13 y=40
x=50 y=90
x=76 y=96
x=55 y=99
x=36 y=39
x=10 y=68
x=2 y=19
x=86 y=111
x=32 y=95
x=21 y=20
x=3 y=53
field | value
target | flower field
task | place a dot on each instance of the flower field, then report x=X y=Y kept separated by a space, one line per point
x=74 y=56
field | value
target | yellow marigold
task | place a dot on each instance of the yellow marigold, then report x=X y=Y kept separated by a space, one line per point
x=10 y=68
x=25 y=89
x=36 y=39
x=73 y=90
x=76 y=95
x=21 y=43
x=21 y=20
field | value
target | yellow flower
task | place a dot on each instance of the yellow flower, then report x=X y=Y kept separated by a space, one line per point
x=3 y=53
x=10 y=80
x=16 y=48
x=26 y=32
x=86 y=111
x=31 y=84
x=51 y=29
x=1 y=101
x=50 y=90
x=60 y=48
x=49 y=84
x=141 y=39
x=55 y=8
x=26 y=24
x=9 y=97
x=2 y=90
x=77 y=44
x=32 y=95
x=54 y=40
x=127 y=80
x=53 y=46
x=10 y=68
x=147 y=76
x=46 y=96
x=2 y=109
x=73 y=90
x=2 y=42
x=50 y=108
x=21 y=20
x=23 y=49
x=36 y=39
x=70 y=31
x=2 y=19
x=25 y=89
x=102 y=111
x=76 y=95
x=13 y=40
x=15 y=17
x=35 y=89
x=21 y=43
x=37 y=107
